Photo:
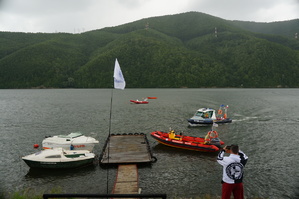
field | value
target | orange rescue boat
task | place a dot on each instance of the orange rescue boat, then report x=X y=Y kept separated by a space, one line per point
x=211 y=143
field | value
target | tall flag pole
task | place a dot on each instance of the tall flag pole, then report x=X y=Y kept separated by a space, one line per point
x=119 y=83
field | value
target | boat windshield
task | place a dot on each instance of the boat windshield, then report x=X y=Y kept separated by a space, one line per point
x=206 y=114
x=71 y=135
x=199 y=113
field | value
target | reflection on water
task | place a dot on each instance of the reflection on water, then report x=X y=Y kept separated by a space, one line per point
x=64 y=173
x=265 y=122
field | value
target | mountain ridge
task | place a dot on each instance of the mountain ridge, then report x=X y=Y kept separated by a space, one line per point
x=170 y=51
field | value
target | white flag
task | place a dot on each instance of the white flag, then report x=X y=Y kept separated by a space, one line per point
x=119 y=80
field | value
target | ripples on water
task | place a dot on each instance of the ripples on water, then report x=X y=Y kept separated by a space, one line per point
x=265 y=124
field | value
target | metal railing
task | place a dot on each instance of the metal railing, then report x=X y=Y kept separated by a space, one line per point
x=47 y=196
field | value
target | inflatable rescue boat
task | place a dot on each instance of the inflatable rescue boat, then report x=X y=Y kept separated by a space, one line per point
x=211 y=143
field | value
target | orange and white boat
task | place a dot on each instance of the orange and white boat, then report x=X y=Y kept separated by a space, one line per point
x=139 y=102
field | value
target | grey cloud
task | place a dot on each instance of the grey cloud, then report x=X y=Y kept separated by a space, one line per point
x=83 y=15
x=240 y=9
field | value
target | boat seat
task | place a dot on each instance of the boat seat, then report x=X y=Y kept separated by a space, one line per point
x=177 y=138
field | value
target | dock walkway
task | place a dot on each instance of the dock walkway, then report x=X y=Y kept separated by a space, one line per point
x=126 y=180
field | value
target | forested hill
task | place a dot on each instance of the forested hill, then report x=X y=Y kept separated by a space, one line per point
x=283 y=28
x=184 y=50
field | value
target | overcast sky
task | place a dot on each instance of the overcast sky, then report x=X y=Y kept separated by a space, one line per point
x=74 y=16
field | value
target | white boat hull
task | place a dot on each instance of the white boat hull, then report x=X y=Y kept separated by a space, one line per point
x=59 y=159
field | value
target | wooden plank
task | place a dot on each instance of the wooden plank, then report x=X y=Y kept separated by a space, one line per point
x=127 y=173
x=126 y=149
x=126 y=180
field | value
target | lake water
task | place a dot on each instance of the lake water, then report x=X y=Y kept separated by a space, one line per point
x=265 y=125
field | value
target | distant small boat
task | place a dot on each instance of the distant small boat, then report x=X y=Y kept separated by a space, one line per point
x=139 y=102
x=208 y=116
x=211 y=143
x=151 y=97
x=75 y=140
x=59 y=158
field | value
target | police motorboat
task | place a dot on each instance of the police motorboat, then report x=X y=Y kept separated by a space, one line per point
x=208 y=116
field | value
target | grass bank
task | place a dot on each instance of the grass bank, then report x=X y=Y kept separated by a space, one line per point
x=32 y=194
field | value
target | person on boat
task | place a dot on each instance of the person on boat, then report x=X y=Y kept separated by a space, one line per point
x=205 y=115
x=171 y=134
x=212 y=138
x=233 y=169
x=207 y=139
x=72 y=147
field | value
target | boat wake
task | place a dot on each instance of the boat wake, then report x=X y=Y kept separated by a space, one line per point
x=245 y=119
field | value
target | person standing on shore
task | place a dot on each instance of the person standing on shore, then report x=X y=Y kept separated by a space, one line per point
x=233 y=169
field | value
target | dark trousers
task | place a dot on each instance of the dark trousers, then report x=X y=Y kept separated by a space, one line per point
x=236 y=189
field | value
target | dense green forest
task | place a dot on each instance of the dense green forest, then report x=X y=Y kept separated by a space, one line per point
x=191 y=50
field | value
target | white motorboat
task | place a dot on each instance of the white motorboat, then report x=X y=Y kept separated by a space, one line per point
x=208 y=116
x=59 y=158
x=76 y=141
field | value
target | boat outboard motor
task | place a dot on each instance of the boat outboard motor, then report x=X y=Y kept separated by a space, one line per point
x=216 y=142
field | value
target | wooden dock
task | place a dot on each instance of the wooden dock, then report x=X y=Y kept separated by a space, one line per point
x=127 y=149
x=126 y=180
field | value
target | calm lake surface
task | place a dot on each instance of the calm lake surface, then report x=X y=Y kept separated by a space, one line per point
x=265 y=125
